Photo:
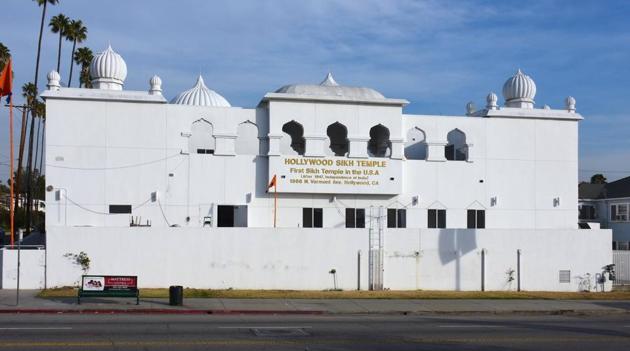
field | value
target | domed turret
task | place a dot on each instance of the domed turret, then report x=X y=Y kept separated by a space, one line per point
x=108 y=70
x=569 y=103
x=200 y=95
x=53 y=80
x=491 y=101
x=156 y=85
x=519 y=91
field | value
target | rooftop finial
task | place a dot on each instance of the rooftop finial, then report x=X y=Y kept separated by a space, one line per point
x=329 y=81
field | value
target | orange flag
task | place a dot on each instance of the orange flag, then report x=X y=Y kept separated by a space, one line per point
x=6 y=79
x=272 y=183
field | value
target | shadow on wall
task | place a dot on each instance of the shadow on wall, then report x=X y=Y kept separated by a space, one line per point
x=452 y=245
x=262 y=172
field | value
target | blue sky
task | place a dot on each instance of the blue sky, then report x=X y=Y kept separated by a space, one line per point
x=437 y=54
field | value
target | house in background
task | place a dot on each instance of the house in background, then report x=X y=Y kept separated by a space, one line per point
x=607 y=206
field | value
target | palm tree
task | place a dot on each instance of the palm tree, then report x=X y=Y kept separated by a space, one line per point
x=83 y=57
x=41 y=32
x=29 y=91
x=42 y=4
x=59 y=24
x=5 y=54
x=76 y=33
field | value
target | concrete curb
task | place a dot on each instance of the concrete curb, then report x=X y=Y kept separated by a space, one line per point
x=164 y=311
x=152 y=311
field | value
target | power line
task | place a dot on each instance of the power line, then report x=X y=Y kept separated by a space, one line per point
x=118 y=167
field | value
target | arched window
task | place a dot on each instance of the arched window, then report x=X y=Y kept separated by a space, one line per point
x=295 y=133
x=338 y=135
x=379 y=144
x=247 y=142
x=201 y=139
x=456 y=149
x=416 y=145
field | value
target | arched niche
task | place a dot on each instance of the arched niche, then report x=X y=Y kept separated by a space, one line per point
x=338 y=136
x=247 y=142
x=201 y=139
x=379 y=144
x=293 y=142
x=456 y=149
x=416 y=144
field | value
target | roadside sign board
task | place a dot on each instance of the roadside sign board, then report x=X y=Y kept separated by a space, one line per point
x=109 y=283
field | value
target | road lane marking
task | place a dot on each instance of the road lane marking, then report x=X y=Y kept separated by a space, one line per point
x=470 y=326
x=264 y=327
x=36 y=328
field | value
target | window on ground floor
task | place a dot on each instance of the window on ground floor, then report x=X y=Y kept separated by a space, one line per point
x=476 y=218
x=619 y=212
x=437 y=218
x=355 y=218
x=396 y=218
x=312 y=217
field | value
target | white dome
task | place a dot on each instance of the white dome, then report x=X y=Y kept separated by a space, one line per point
x=108 y=70
x=53 y=75
x=519 y=91
x=155 y=85
x=53 y=80
x=155 y=80
x=329 y=87
x=200 y=95
x=491 y=101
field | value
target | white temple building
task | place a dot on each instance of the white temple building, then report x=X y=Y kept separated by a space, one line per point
x=144 y=186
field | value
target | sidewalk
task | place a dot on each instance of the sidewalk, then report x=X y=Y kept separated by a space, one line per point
x=30 y=303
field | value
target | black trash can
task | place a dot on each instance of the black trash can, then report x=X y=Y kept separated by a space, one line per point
x=176 y=295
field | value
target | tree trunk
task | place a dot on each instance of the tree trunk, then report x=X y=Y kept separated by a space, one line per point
x=74 y=46
x=29 y=176
x=39 y=43
x=39 y=124
x=59 y=52
x=20 y=158
x=42 y=155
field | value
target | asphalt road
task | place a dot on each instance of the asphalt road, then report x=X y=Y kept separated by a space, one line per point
x=338 y=332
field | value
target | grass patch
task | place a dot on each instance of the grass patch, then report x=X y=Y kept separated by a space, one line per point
x=387 y=294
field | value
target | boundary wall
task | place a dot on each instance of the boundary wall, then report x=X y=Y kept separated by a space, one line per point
x=290 y=258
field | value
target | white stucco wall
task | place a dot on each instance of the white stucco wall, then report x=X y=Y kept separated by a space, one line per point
x=119 y=152
x=32 y=266
x=249 y=258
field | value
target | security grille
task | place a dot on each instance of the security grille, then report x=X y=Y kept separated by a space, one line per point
x=565 y=276
x=621 y=259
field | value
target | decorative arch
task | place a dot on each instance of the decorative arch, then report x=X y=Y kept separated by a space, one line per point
x=295 y=134
x=201 y=140
x=416 y=144
x=338 y=135
x=456 y=149
x=247 y=142
x=379 y=144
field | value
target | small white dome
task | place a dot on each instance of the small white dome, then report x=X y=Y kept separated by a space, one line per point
x=519 y=91
x=470 y=108
x=155 y=85
x=53 y=80
x=200 y=95
x=155 y=80
x=491 y=101
x=53 y=75
x=108 y=70
x=569 y=102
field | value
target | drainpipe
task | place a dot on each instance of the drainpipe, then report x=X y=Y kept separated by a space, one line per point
x=518 y=270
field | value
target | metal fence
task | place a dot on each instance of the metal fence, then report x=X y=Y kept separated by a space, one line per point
x=621 y=259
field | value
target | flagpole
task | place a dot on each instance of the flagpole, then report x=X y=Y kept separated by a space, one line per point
x=275 y=203
x=11 y=205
